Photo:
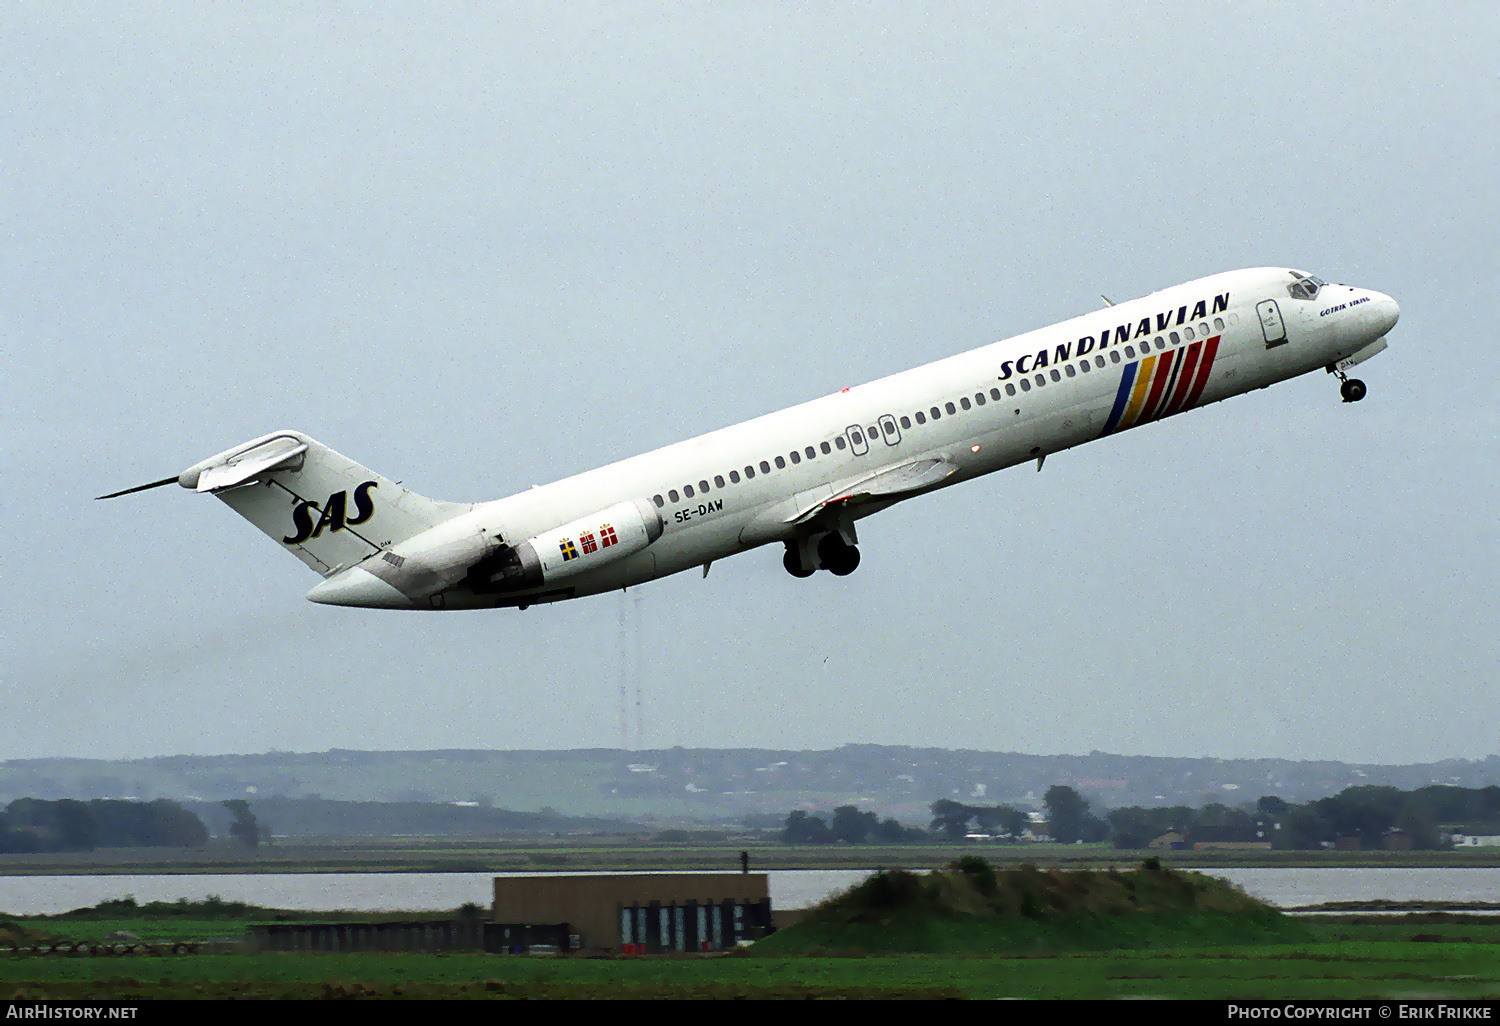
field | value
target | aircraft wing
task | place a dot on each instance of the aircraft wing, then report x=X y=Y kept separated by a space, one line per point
x=898 y=482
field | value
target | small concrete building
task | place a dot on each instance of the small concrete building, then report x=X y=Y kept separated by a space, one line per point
x=648 y=911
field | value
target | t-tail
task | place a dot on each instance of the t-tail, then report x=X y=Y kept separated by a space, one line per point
x=324 y=508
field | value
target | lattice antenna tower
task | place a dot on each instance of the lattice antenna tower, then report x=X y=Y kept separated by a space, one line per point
x=623 y=654
x=638 y=669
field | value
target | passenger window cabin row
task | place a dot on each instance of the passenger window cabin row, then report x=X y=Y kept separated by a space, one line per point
x=873 y=433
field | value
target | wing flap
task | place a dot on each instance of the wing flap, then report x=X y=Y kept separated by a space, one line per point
x=898 y=482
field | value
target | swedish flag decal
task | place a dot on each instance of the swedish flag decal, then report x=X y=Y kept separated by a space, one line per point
x=569 y=550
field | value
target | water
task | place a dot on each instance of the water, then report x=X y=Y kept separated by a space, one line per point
x=1287 y=887
x=423 y=892
x=397 y=892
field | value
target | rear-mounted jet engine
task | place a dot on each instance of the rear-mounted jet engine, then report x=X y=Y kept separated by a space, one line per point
x=583 y=544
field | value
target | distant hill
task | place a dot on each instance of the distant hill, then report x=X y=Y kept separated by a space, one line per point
x=709 y=785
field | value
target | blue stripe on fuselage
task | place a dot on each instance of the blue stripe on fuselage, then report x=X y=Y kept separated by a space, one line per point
x=1122 y=398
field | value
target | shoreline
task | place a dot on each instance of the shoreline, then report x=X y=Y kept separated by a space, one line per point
x=505 y=855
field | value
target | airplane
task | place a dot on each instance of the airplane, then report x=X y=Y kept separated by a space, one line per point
x=803 y=476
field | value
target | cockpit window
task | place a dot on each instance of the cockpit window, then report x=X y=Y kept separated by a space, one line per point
x=1306 y=286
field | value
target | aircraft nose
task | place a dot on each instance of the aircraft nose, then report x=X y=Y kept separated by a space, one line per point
x=1384 y=312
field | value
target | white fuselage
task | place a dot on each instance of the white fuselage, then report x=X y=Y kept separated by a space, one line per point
x=971 y=414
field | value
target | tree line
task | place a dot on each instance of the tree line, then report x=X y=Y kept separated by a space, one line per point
x=36 y=825
x=1066 y=811
x=848 y=824
x=1367 y=812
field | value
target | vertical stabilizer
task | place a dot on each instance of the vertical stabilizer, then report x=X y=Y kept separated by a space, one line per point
x=324 y=508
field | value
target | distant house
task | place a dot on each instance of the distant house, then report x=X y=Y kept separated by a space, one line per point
x=1487 y=836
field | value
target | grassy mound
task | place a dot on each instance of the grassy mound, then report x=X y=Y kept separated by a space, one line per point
x=970 y=908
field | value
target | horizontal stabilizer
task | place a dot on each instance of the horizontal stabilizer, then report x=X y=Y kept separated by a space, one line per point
x=252 y=463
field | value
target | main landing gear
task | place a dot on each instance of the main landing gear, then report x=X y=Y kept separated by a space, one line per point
x=838 y=556
x=831 y=553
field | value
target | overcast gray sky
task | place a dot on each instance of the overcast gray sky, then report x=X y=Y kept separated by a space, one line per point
x=479 y=247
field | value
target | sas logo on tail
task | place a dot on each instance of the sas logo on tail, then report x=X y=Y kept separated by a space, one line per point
x=333 y=516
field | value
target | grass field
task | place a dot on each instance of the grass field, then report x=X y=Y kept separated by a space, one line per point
x=1346 y=956
x=1330 y=969
x=1419 y=955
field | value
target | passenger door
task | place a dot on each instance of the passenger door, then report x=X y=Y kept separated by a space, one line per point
x=1270 y=323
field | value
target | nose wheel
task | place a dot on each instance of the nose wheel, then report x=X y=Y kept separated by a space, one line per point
x=1352 y=389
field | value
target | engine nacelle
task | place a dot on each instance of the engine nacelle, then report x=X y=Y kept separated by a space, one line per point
x=438 y=558
x=584 y=544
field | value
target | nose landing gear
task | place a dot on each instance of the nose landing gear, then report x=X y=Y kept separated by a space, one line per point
x=1352 y=389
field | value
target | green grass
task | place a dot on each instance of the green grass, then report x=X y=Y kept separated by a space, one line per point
x=1448 y=927
x=1355 y=969
x=1345 y=957
x=1339 y=957
x=1021 y=936
x=151 y=930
